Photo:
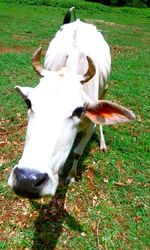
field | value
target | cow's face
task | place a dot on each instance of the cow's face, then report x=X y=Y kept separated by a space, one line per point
x=55 y=109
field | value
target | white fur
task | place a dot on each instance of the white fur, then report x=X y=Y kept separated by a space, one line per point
x=70 y=47
x=51 y=128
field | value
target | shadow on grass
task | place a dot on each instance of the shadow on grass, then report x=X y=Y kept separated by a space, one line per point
x=49 y=224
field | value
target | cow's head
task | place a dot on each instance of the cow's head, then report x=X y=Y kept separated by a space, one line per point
x=55 y=108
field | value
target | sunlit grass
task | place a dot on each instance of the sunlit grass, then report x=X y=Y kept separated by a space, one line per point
x=108 y=207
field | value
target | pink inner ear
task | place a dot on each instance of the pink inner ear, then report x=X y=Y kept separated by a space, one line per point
x=106 y=119
x=107 y=113
x=105 y=109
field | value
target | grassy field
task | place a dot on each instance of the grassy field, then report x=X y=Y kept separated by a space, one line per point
x=108 y=208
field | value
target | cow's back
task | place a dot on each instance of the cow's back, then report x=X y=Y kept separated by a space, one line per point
x=72 y=43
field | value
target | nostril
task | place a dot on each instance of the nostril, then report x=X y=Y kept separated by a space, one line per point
x=29 y=179
x=41 y=180
x=29 y=182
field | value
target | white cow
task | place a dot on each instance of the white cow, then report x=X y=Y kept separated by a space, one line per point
x=66 y=101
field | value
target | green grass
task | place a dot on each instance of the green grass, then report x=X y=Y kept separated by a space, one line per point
x=108 y=207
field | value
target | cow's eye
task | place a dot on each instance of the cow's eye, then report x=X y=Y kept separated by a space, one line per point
x=28 y=102
x=78 y=112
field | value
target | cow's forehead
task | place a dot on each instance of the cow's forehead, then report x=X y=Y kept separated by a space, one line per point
x=56 y=88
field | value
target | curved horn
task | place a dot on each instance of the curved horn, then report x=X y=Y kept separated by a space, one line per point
x=36 y=61
x=90 y=72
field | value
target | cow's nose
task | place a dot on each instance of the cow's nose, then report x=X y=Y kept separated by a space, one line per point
x=29 y=182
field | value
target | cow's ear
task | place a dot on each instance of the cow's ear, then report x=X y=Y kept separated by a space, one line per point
x=24 y=91
x=107 y=113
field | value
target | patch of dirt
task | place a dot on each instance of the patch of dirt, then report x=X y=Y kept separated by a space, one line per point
x=18 y=49
x=116 y=50
x=20 y=37
x=9 y=135
x=16 y=213
x=99 y=21
x=91 y=175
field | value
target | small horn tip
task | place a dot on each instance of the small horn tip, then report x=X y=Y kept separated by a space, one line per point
x=37 y=52
x=39 y=49
x=72 y=8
